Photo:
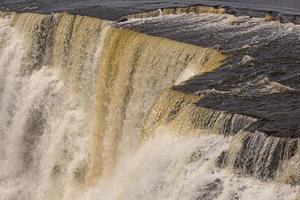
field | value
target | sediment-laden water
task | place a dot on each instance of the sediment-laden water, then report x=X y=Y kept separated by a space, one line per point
x=92 y=109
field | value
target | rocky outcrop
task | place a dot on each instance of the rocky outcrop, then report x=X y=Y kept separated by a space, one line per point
x=254 y=94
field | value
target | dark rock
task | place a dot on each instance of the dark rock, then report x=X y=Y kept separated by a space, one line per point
x=211 y=191
x=260 y=77
x=222 y=159
x=197 y=155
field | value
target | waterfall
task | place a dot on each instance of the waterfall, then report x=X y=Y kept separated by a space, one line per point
x=88 y=112
x=47 y=102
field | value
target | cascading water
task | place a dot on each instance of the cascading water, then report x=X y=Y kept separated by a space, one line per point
x=44 y=107
x=87 y=113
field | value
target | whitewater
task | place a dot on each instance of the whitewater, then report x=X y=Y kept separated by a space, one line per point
x=87 y=113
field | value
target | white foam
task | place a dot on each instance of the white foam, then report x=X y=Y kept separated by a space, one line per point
x=170 y=167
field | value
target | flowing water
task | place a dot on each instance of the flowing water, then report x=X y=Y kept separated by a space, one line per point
x=87 y=113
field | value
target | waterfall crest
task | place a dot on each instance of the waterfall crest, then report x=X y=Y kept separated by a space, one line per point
x=88 y=111
x=75 y=92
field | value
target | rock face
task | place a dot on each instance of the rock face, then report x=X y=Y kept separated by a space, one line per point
x=259 y=80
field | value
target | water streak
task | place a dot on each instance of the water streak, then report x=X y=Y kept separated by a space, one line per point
x=86 y=112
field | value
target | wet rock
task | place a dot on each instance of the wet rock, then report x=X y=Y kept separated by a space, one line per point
x=261 y=155
x=211 y=191
x=235 y=196
x=222 y=159
x=197 y=155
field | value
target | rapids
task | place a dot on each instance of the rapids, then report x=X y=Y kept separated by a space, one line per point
x=87 y=113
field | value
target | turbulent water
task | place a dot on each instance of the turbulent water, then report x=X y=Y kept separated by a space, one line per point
x=286 y=10
x=87 y=113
